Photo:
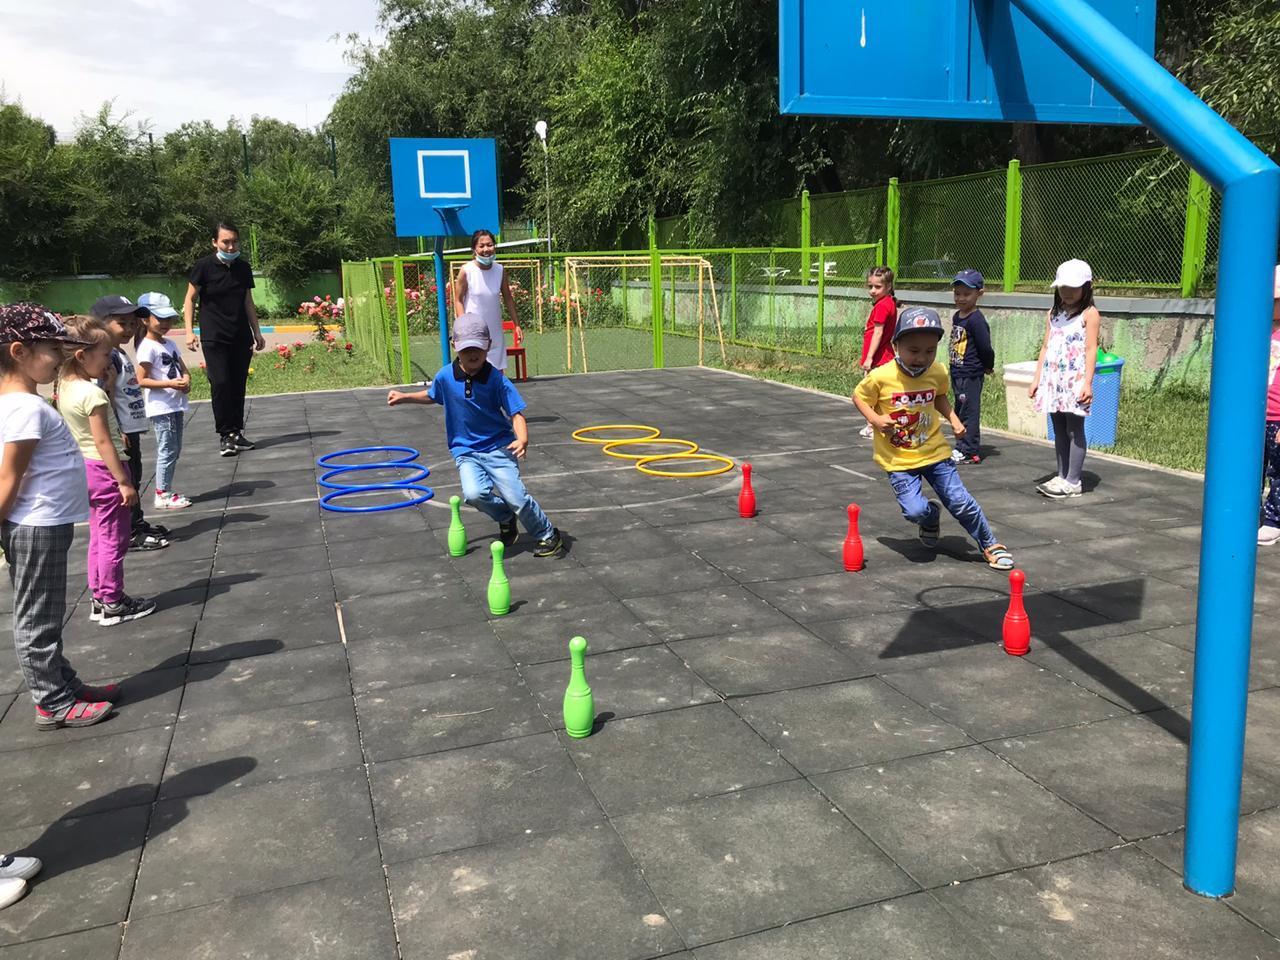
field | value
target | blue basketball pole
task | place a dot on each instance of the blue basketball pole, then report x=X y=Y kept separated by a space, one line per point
x=442 y=303
x=1250 y=186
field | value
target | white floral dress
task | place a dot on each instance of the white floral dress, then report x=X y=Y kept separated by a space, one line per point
x=1064 y=363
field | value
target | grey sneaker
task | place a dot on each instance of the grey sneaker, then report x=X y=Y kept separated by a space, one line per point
x=128 y=608
x=95 y=610
x=24 y=868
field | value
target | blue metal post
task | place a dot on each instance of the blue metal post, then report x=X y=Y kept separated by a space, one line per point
x=1250 y=185
x=442 y=303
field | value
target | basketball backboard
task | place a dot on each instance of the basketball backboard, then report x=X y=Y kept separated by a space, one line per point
x=444 y=187
x=942 y=59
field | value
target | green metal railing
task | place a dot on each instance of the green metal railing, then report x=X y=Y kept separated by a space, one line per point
x=1143 y=220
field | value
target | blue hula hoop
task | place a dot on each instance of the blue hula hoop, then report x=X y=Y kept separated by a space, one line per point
x=326 y=479
x=410 y=455
x=327 y=500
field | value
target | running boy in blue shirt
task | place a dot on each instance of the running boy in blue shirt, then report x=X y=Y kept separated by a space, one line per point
x=972 y=358
x=487 y=435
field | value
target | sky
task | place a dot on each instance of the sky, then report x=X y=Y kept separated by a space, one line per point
x=165 y=62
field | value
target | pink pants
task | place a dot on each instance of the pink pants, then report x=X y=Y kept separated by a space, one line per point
x=108 y=533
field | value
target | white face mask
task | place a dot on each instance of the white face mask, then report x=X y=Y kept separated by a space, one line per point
x=484 y=261
x=909 y=371
x=226 y=256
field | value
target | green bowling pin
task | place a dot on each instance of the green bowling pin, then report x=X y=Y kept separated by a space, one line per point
x=499 y=586
x=579 y=707
x=457 y=535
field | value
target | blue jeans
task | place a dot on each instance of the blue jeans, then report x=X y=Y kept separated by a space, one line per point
x=951 y=491
x=168 y=428
x=491 y=483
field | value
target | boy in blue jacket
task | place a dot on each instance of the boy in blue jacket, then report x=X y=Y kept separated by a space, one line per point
x=488 y=436
x=972 y=358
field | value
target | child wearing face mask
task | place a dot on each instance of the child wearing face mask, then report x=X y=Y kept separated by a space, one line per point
x=905 y=403
x=482 y=290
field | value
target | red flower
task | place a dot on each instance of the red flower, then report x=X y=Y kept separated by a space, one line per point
x=349 y=347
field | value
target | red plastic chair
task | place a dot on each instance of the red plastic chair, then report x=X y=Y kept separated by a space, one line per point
x=516 y=351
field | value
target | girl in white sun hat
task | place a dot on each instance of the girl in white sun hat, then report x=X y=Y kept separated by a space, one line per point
x=1063 y=383
x=1269 y=529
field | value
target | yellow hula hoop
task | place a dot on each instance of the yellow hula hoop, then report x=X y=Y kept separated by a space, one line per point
x=642 y=465
x=579 y=434
x=690 y=448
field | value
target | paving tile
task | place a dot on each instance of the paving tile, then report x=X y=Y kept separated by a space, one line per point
x=635 y=541
x=100 y=942
x=781 y=562
x=1257 y=893
x=477 y=795
x=447 y=714
x=382 y=663
x=108 y=652
x=651 y=576
x=766 y=659
x=574 y=895
x=830 y=596
x=151 y=700
x=1110 y=905
x=909 y=928
x=283 y=742
x=399 y=615
x=281 y=562
x=625 y=683
x=395 y=576
x=838 y=725
x=960 y=814
x=259 y=683
x=89 y=866
x=347 y=916
x=1129 y=773
x=672 y=756
x=754 y=859
x=565 y=587
x=246 y=840
x=1001 y=696
x=704 y=613
x=905 y=639
x=539 y=637
x=1141 y=603
x=1136 y=671
x=274 y=606
x=64 y=779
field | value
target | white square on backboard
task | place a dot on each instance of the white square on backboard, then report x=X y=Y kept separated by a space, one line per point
x=466 y=175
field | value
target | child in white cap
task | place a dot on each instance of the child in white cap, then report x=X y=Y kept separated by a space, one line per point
x=1063 y=383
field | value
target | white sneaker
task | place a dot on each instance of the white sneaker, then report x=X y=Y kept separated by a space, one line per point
x=1268 y=535
x=1051 y=487
x=956 y=456
x=171 y=501
x=24 y=868
x=867 y=432
x=11 y=891
x=1060 y=489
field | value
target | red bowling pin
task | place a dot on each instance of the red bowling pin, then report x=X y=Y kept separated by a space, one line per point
x=852 y=551
x=1017 y=627
x=747 y=497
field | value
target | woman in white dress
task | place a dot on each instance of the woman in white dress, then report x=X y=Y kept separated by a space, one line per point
x=482 y=289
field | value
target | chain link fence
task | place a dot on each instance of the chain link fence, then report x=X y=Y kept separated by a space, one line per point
x=949 y=225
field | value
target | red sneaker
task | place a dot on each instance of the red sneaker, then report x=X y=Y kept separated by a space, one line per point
x=79 y=714
x=110 y=692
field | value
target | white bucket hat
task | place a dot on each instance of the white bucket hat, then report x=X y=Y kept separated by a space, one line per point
x=1073 y=273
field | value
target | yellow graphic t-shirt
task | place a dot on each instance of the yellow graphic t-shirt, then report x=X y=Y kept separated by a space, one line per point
x=916 y=439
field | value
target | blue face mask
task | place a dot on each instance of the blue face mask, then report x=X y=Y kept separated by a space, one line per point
x=226 y=257
x=484 y=261
x=909 y=371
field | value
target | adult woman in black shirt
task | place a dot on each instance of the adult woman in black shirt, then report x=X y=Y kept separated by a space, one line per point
x=223 y=283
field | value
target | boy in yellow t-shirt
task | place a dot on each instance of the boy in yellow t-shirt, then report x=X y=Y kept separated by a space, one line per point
x=905 y=403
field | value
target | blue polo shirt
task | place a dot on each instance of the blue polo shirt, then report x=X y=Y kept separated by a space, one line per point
x=477 y=410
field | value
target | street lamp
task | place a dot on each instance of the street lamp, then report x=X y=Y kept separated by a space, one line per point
x=540 y=128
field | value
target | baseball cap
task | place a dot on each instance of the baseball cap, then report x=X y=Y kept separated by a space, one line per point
x=1073 y=273
x=29 y=322
x=914 y=319
x=114 y=305
x=470 y=330
x=158 y=305
x=970 y=278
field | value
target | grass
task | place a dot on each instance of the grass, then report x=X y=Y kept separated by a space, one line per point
x=1165 y=427
x=311 y=368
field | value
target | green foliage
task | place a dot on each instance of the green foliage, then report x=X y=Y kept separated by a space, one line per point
x=1239 y=69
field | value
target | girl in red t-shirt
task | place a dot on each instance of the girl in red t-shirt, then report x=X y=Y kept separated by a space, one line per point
x=877 y=338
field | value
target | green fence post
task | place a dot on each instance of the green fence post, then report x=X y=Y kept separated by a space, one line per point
x=655 y=293
x=1195 y=237
x=1012 y=226
x=253 y=245
x=402 y=319
x=733 y=296
x=805 y=225
x=880 y=253
x=822 y=292
x=892 y=213
x=422 y=245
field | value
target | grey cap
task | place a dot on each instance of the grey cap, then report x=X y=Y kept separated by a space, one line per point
x=470 y=330
x=917 y=319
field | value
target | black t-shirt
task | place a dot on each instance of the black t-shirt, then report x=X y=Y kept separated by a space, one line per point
x=223 y=317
